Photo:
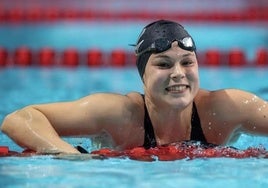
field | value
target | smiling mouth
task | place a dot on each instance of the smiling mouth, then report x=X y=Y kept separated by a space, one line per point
x=177 y=88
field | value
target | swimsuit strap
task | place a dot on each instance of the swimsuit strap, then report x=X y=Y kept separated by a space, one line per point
x=196 y=129
x=149 y=136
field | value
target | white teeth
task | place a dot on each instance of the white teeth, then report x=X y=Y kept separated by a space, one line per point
x=176 y=88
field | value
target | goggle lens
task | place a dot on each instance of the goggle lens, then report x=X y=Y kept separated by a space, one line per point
x=162 y=44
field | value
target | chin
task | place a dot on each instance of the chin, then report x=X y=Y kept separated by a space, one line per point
x=180 y=103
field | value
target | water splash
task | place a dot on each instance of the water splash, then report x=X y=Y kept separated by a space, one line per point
x=176 y=151
x=184 y=150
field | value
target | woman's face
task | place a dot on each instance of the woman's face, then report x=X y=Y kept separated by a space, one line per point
x=171 y=77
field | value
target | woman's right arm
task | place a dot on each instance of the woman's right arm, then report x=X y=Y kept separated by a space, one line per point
x=31 y=129
x=40 y=127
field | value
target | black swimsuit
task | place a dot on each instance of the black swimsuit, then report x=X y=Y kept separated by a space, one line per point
x=196 y=130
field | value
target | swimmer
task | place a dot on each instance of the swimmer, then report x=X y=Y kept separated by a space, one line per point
x=173 y=107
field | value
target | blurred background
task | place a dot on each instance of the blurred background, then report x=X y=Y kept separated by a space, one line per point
x=98 y=32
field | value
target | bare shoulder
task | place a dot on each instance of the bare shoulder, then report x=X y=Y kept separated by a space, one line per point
x=121 y=116
x=225 y=97
x=222 y=100
x=224 y=111
x=218 y=112
x=226 y=105
x=114 y=105
x=127 y=121
x=136 y=104
x=136 y=98
x=129 y=101
x=112 y=100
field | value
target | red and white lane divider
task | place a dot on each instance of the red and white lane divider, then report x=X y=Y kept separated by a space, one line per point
x=72 y=57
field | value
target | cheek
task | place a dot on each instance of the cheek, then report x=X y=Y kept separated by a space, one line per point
x=193 y=77
x=192 y=73
x=153 y=81
x=149 y=82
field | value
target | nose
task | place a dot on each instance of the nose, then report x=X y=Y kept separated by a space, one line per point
x=177 y=72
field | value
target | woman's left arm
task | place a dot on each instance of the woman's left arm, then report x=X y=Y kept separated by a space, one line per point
x=253 y=112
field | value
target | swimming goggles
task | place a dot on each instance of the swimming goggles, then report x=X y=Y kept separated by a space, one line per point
x=163 y=44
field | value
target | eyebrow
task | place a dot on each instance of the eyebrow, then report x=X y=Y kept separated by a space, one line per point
x=187 y=54
x=160 y=55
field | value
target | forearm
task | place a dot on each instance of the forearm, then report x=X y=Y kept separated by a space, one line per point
x=31 y=129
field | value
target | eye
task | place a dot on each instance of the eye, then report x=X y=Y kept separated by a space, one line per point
x=187 y=62
x=164 y=65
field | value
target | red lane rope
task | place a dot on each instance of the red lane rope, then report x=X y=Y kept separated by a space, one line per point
x=5 y=152
x=53 y=14
x=72 y=57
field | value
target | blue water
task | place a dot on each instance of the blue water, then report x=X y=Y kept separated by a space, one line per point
x=23 y=86
x=44 y=172
x=107 y=36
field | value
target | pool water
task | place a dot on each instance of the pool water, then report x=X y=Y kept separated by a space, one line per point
x=84 y=35
x=23 y=86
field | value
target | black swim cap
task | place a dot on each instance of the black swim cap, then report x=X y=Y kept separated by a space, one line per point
x=164 y=31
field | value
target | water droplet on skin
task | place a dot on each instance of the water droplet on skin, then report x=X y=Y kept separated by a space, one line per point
x=254 y=127
x=246 y=101
x=254 y=99
x=209 y=128
x=263 y=106
x=213 y=113
x=219 y=134
x=209 y=123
